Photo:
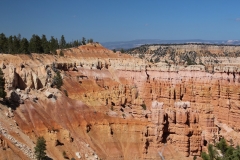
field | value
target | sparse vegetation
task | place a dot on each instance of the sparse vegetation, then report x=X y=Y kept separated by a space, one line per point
x=83 y=41
x=122 y=50
x=90 y=40
x=225 y=152
x=144 y=106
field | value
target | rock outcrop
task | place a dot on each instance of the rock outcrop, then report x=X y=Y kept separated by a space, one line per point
x=114 y=106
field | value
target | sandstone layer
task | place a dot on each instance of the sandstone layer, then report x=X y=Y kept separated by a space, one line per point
x=114 y=106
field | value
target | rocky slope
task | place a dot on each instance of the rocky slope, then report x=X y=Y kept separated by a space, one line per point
x=114 y=106
x=211 y=56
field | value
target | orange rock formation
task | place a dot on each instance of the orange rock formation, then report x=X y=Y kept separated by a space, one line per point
x=117 y=106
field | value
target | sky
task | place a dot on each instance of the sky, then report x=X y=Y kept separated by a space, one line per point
x=122 y=20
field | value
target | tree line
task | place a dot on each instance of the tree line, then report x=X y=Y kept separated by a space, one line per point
x=16 y=44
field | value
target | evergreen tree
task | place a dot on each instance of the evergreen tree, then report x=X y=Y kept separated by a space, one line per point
x=10 y=44
x=226 y=152
x=45 y=44
x=16 y=44
x=222 y=145
x=90 y=40
x=211 y=152
x=83 y=41
x=2 y=85
x=53 y=45
x=24 y=45
x=76 y=43
x=205 y=156
x=35 y=45
x=57 y=80
x=236 y=153
x=62 y=42
x=3 y=43
x=69 y=45
x=40 y=148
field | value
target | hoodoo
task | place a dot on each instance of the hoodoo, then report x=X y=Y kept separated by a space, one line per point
x=152 y=102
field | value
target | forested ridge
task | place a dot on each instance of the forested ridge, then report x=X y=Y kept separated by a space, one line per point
x=17 y=44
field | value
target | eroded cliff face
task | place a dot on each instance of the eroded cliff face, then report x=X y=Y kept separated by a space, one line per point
x=213 y=57
x=114 y=106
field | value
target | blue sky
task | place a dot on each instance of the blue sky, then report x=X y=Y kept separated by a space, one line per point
x=122 y=20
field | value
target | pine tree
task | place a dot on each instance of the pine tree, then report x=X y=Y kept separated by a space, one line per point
x=16 y=43
x=212 y=152
x=40 y=148
x=62 y=42
x=35 y=44
x=205 y=156
x=57 y=80
x=83 y=41
x=76 y=43
x=236 y=153
x=3 y=43
x=45 y=44
x=10 y=44
x=53 y=45
x=24 y=45
x=222 y=145
x=2 y=85
x=90 y=40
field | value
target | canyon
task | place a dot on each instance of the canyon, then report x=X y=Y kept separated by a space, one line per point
x=147 y=103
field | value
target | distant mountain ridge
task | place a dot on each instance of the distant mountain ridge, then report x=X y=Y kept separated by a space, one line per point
x=139 y=42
